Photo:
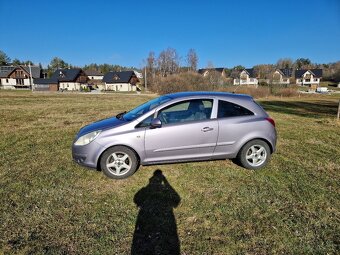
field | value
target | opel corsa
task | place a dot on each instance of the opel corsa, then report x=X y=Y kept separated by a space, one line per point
x=179 y=127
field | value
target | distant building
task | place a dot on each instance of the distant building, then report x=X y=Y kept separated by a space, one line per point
x=282 y=76
x=308 y=77
x=207 y=71
x=63 y=79
x=246 y=77
x=121 y=81
x=138 y=75
x=18 y=77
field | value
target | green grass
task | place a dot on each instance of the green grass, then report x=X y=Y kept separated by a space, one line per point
x=49 y=205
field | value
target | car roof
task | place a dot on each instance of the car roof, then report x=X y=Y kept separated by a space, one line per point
x=208 y=93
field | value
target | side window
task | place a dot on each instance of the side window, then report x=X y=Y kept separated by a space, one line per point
x=227 y=109
x=146 y=122
x=191 y=110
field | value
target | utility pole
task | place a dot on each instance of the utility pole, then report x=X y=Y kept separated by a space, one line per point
x=145 y=81
x=31 y=82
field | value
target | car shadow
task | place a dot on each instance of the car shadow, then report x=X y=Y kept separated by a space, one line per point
x=156 y=229
x=312 y=109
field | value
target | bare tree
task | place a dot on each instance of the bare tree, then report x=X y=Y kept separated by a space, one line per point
x=168 y=62
x=192 y=60
x=151 y=64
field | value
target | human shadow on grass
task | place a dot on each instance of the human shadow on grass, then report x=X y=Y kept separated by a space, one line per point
x=156 y=229
x=312 y=109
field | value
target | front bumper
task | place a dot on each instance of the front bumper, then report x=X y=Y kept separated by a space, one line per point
x=87 y=155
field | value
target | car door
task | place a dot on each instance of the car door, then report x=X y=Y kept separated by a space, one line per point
x=187 y=132
x=234 y=123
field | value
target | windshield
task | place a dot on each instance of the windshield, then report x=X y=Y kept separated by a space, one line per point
x=144 y=108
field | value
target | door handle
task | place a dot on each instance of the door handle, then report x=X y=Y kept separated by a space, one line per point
x=206 y=129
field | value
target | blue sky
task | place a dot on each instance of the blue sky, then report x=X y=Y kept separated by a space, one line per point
x=226 y=33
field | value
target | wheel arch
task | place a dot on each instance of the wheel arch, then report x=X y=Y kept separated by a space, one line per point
x=115 y=145
x=257 y=138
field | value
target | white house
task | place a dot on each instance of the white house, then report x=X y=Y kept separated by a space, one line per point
x=246 y=77
x=282 y=76
x=138 y=75
x=308 y=77
x=120 y=81
x=18 y=77
x=94 y=74
x=207 y=71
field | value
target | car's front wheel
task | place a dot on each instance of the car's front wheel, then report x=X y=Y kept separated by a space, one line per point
x=254 y=154
x=119 y=162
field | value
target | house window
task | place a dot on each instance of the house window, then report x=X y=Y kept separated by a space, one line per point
x=6 y=80
x=20 y=81
x=315 y=79
x=307 y=80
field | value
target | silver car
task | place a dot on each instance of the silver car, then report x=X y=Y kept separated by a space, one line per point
x=179 y=127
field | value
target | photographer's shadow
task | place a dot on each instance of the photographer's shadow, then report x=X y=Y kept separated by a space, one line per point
x=156 y=229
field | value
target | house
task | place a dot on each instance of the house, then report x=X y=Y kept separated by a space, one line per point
x=94 y=74
x=18 y=77
x=207 y=71
x=308 y=77
x=282 y=76
x=246 y=77
x=121 y=81
x=63 y=79
x=139 y=75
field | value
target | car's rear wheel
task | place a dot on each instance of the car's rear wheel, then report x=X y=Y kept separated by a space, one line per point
x=254 y=154
x=119 y=162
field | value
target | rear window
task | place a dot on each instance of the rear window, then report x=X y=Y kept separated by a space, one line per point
x=228 y=109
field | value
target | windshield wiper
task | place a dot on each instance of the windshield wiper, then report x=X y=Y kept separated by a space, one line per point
x=120 y=115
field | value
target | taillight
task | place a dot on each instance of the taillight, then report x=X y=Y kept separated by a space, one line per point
x=271 y=121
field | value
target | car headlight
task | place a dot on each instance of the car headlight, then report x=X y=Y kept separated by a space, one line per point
x=86 y=139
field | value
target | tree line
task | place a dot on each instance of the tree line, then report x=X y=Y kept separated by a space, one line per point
x=58 y=63
x=169 y=62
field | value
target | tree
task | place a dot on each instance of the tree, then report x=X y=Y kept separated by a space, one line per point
x=151 y=64
x=16 y=62
x=284 y=63
x=168 y=62
x=4 y=59
x=238 y=68
x=57 y=63
x=303 y=63
x=264 y=71
x=192 y=60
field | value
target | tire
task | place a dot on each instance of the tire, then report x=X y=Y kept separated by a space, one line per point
x=119 y=162
x=254 y=154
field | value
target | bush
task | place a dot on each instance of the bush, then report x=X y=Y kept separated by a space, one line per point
x=187 y=81
x=286 y=92
x=191 y=81
x=256 y=92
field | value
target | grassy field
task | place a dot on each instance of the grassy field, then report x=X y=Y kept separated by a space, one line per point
x=49 y=205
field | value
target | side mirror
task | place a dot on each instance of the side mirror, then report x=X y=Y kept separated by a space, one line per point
x=156 y=123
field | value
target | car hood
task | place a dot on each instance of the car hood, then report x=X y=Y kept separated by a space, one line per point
x=101 y=125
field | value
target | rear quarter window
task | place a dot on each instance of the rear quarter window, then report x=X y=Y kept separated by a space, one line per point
x=227 y=109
